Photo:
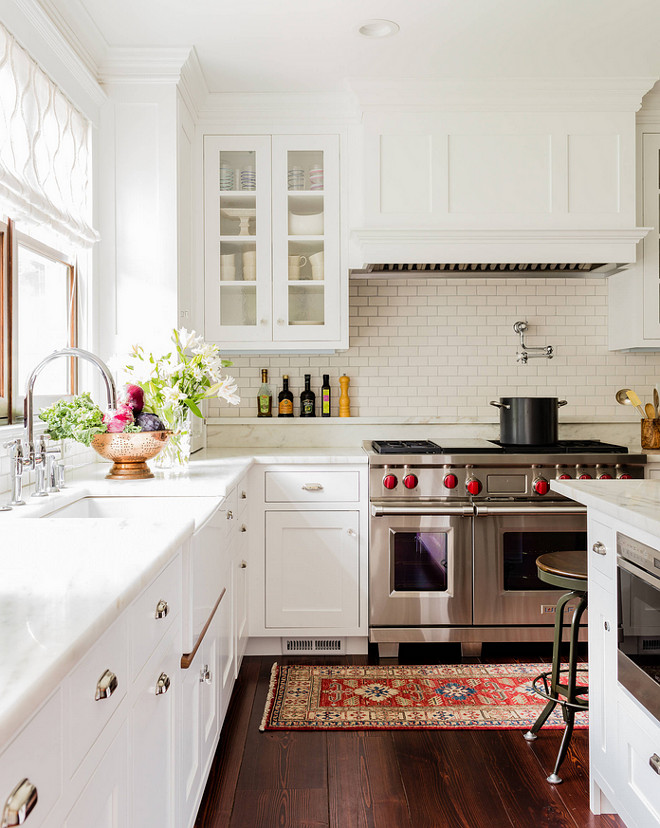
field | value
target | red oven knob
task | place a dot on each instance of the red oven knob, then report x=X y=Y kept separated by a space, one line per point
x=450 y=481
x=473 y=485
x=410 y=481
x=605 y=476
x=625 y=476
x=541 y=486
x=390 y=481
x=564 y=477
x=585 y=476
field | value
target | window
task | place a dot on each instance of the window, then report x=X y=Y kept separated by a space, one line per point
x=39 y=315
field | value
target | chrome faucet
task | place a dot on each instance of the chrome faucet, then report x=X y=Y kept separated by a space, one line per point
x=38 y=460
x=17 y=465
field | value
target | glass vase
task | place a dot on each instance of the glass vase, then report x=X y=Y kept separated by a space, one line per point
x=175 y=455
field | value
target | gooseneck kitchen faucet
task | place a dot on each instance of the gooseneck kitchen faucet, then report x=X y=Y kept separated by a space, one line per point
x=31 y=459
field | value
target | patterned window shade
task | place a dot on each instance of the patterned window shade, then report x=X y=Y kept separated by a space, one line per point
x=45 y=161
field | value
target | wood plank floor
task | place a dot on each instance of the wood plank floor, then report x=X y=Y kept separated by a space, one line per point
x=391 y=779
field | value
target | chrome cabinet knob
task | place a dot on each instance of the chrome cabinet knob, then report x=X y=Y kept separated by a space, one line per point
x=606 y=626
x=654 y=762
x=230 y=515
x=243 y=495
x=20 y=804
x=163 y=684
x=162 y=609
x=205 y=676
x=243 y=565
x=352 y=533
x=106 y=686
x=599 y=548
x=243 y=528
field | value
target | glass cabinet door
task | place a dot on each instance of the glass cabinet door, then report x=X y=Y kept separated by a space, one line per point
x=237 y=195
x=305 y=238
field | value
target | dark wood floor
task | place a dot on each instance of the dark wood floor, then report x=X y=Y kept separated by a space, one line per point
x=391 y=779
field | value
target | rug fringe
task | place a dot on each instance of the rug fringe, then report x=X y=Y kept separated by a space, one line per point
x=270 y=697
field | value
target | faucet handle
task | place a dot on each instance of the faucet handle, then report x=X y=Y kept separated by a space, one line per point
x=15 y=446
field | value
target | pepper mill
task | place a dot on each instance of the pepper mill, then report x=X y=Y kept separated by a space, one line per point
x=344 y=402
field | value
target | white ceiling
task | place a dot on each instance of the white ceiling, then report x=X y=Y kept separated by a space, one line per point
x=313 y=45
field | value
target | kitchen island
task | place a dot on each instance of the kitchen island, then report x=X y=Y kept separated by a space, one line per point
x=624 y=615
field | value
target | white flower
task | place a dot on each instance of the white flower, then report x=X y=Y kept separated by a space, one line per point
x=172 y=396
x=225 y=390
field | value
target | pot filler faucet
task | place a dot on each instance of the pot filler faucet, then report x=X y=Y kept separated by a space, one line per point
x=42 y=460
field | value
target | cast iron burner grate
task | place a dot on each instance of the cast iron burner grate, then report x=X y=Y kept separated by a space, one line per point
x=565 y=447
x=406 y=447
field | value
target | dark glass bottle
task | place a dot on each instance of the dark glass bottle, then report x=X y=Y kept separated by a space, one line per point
x=264 y=397
x=285 y=399
x=325 y=396
x=308 y=400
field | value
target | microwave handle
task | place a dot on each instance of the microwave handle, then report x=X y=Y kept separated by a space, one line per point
x=525 y=509
x=638 y=572
x=430 y=510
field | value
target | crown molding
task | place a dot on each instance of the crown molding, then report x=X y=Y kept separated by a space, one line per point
x=84 y=36
x=192 y=84
x=143 y=64
x=39 y=32
x=245 y=108
x=503 y=94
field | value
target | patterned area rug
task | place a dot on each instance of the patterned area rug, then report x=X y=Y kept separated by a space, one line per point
x=482 y=696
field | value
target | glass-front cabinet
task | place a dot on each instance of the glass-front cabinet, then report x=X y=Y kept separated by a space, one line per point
x=272 y=252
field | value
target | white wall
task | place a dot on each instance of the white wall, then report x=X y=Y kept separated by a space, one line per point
x=445 y=347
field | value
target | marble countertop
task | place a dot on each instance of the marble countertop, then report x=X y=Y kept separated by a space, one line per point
x=64 y=581
x=635 y=502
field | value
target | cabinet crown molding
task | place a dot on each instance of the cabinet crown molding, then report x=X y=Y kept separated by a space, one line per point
x=617 y=94
x=143 y=65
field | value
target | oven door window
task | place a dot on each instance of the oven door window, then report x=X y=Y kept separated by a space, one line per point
x=521 y=549
x=419 y=561
x=639 y=622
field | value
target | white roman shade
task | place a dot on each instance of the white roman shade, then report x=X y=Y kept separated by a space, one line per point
x=45 y=162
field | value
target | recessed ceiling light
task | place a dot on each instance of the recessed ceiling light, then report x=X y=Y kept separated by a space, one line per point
x=378 y=28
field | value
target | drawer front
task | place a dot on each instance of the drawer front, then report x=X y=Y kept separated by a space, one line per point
x=601 y=550
x=88 y=714
x=36 y=755
x=152 y=613
x=639 y=762
x=312 y=486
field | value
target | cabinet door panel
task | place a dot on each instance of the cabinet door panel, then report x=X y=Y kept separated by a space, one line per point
x=651 y=243
x=103 y=803
x=312 y=569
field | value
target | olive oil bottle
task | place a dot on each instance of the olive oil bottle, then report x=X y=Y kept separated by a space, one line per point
x=264 y=396
x=285 y=399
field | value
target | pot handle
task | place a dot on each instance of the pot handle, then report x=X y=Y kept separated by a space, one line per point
x=561 y=402
x=500 y=405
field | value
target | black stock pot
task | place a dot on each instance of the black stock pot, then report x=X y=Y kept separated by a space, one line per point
x=528 y=421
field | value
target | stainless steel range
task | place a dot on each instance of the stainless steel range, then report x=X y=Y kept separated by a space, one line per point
x=455 y=531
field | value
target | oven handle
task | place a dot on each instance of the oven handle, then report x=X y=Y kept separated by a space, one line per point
x=433 y=510
x=638 y=572
x=530 y=509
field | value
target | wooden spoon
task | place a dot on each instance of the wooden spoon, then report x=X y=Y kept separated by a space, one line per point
x=635 y=400
x=656 y=402
x=650 y=411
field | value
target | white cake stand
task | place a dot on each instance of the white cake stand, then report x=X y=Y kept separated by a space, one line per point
x=243 y=214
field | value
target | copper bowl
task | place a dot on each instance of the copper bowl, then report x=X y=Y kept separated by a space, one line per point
x=129 y=452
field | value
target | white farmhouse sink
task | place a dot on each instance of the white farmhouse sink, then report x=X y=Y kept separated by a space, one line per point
x=159 y=509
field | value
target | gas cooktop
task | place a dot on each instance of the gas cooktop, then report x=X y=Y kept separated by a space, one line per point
x=494 y=447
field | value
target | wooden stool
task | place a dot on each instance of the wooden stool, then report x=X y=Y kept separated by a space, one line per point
x=566 y=570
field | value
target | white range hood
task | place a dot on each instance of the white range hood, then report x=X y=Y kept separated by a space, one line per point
x=509 y=178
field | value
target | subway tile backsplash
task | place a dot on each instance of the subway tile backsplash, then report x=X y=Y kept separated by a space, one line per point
x=445 y=347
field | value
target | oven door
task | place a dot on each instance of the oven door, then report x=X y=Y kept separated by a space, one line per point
x=638 y=657
x=507 y=541
x=420 y=566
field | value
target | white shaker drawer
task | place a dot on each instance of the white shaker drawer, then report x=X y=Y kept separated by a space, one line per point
x=152 y=613
x=312 y=486
x=94 y=690
x=601 y=550
x=35 y=755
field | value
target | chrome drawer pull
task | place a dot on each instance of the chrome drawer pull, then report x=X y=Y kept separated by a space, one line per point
x=312 y=487
x=654 y=762
x=162 y=609
x=106 y=686
x=205 y=676
x=163 y=684
x=599 y=548
x=20 y=804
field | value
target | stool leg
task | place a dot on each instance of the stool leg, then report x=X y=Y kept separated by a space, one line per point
x=530 y=736
x=569 y=711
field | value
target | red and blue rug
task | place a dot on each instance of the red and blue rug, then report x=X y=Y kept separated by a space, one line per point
x=482 y=696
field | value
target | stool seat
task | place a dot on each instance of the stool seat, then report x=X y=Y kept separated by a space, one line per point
x=566 y=570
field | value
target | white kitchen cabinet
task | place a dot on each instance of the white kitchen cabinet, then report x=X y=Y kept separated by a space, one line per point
x=273 y=275
x=153 y=739
x=634 y=294
x=104 y=801
x=312 y=569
